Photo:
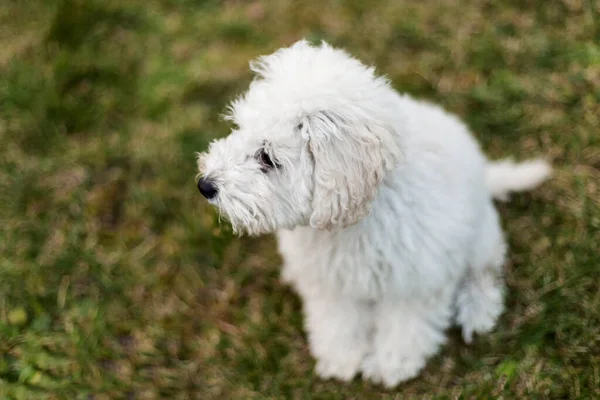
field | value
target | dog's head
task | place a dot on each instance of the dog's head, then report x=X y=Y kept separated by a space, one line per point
x=313 y=140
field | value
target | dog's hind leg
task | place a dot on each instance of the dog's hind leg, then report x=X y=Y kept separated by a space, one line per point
x=480 y=297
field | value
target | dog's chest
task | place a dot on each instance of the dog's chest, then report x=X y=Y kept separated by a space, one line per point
x=313 y=262
x=367 y=266
x=405 y=250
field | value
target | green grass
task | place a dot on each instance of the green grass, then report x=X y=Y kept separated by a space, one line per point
x=116 y=279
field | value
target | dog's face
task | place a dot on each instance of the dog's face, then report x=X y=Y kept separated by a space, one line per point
x=311 y=144
x=261 y=180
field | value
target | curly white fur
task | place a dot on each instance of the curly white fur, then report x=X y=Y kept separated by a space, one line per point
x=382 y=206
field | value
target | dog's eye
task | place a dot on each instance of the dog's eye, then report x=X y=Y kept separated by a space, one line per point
x=265 y=160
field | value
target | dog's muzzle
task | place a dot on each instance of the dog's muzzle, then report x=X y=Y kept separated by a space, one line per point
x=207 y=188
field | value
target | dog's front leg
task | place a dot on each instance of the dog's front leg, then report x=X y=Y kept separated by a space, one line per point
x=338 y=329
x=407 y=333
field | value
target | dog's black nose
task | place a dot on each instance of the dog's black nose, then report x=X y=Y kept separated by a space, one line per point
x=207 y=188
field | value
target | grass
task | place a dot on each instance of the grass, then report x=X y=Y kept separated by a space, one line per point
x=116 y=279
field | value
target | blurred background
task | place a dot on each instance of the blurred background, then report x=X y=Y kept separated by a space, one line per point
x=116 y=278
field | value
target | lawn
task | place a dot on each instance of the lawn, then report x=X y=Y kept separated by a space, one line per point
x=118 y=281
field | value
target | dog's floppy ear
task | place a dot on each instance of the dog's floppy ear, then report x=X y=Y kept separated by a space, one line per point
x=351 y=155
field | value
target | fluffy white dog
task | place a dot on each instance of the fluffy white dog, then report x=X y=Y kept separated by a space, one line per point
x=382 y=206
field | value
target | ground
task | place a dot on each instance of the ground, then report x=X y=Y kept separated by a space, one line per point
x=118 y=281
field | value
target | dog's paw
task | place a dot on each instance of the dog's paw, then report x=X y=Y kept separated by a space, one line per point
x=484 y=325
x=343 y=364
x=390 y=371
x=334 y=369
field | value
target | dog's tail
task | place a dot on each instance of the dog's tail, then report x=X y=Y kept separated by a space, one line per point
x=505 y=176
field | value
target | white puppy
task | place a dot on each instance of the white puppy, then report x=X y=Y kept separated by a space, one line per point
x=382 y=207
